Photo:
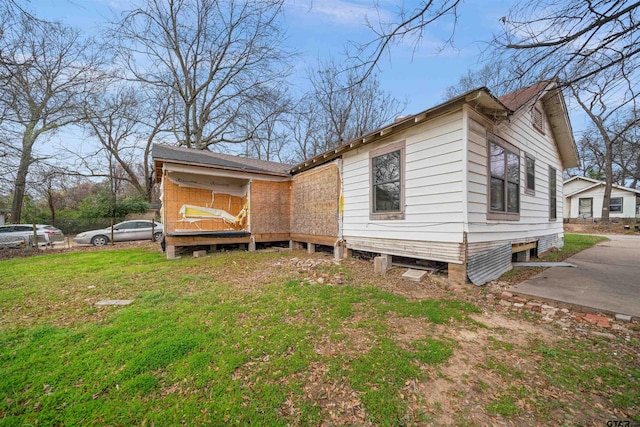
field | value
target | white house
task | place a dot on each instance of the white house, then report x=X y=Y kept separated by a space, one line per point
x=583 y=199
x=468 y=182
x=3 y=214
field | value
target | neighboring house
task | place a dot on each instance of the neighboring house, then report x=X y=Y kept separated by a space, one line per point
x=583 y=199
x=466 y=183
x=3 y=215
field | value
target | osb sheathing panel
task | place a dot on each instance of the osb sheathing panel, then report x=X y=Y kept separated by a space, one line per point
x=270 y=210
x=176 y=196
x=315 y=196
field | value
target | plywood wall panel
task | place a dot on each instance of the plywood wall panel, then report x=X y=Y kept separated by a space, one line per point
x=270 y=211
x=315 y=198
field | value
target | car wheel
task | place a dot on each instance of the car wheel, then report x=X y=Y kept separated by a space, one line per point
x=99 y=240
x=157 y=236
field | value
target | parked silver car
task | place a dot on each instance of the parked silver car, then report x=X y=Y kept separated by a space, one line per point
x=139 y=229
x=15 y=235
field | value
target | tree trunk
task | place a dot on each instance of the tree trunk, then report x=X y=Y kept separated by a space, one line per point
x=608 y=169
x=21 y=179
x=53 y=212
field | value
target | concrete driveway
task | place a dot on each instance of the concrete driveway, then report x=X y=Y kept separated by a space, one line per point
x=607 y=278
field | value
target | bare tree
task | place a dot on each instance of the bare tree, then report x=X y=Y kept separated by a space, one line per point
x=265 y=121
x=544 y=39
x=112 y=118
x=573 y=40
x=496 y=77
x=591 y=150
x=49 y=184
x=624 y=152
x=45 y=71
x=348 y=106
x=126 y=122
x=303 y=124
x=604 y=102
x=629 y=156
x=408 y=26
x=212 y=56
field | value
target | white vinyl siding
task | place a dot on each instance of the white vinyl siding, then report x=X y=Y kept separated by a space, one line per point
x=433 y=184
x=534 y=206
x=597 y=194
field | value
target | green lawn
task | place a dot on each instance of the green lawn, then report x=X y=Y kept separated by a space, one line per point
x=194 y=347
x=242 y=338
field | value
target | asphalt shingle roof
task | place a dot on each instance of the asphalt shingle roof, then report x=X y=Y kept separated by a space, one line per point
x=225 y=161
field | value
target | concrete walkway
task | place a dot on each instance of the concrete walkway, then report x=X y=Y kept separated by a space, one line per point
x=607 y=278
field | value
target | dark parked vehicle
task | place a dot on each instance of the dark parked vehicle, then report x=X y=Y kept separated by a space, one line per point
x=15 y=235
x=139 y=229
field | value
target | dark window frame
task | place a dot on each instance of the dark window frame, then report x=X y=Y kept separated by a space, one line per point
x=553 y=194
x=530 y=182
x=591 y=207
x=502 y=214
x=373 y=154
x=611 y=199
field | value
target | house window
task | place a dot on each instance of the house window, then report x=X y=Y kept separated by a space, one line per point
x=387 y=182
x=615 y=204
x=585 y=207
x=537 y=117
x=530 y=170
x=504 y=187
x=553 y=212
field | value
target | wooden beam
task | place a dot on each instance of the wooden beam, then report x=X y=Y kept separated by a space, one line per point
x=272 y=237
x=519 y=247
x=419 y=117
x=204 y=240
x=318 y=240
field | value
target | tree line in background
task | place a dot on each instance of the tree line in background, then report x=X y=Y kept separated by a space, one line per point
x=213 y=74
x=202 y=74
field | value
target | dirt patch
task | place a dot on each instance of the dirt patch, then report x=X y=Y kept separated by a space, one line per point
x=339 y=402
x=597 y=228
x=407 y=329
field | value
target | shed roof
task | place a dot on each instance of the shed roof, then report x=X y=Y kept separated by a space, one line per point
x=191 y=156
x=595 y=183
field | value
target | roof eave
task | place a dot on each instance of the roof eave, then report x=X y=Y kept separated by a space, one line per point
x=158 y=161
x=481 y=99
x=561 y=128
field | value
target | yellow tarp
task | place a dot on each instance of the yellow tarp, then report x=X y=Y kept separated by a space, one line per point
x=191 y=212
